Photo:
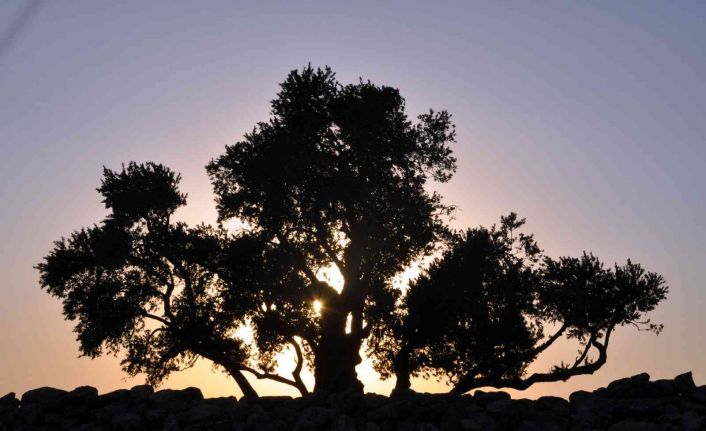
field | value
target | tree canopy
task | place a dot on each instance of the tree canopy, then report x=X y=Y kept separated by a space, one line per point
x=493 y=302
x=339 y=178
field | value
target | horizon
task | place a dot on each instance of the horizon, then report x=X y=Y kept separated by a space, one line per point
x=585 y=119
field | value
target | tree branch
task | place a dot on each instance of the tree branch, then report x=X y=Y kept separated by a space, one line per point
x=298 y=368
x=468 y=383
x=157 y=318
x=544 y=346
x=585 y=352
x=276 y=377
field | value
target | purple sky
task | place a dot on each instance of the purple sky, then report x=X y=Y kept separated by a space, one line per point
x=588 y=119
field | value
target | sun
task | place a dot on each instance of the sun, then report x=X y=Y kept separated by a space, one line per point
x=317 y=306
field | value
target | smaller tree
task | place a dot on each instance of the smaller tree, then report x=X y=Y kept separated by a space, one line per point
x=480 y=314
x=167 y=294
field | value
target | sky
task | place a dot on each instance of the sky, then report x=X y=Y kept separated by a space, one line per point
x=586 y=118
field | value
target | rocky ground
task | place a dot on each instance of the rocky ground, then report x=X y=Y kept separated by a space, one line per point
x=633 y=403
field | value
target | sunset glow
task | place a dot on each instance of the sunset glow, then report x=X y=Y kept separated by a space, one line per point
x=585 y=118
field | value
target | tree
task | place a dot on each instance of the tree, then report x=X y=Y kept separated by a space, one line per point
x=339 y=178
x=164 y=293
x=477 y=316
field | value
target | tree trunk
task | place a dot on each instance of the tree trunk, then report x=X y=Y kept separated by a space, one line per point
x=402 y=370
x=337 y=354
x=243 y=383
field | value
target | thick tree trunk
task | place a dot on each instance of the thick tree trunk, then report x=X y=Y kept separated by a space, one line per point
x=402 y=370
x=337 y=355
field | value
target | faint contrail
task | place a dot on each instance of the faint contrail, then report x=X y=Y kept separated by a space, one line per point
x=18 y=25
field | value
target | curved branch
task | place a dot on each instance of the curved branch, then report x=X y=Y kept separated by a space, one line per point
x=585 y=352
x=468 y=383
x=298 y=368
x=544 y=346
x=157 y=318
x=276 y=377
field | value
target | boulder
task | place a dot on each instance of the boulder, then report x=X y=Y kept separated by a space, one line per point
x=141 y=393
x=579 y=396
x=556 y=405
x=82 y=395
x=9 y=402
x=45 y=397
x=635 y=386
x=684 y=384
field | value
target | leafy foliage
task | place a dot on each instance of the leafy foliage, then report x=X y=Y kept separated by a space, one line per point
x=163 y=292
x=339 y=178
x=479 y=313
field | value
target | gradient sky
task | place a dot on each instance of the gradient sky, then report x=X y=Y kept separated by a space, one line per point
x=588 y=119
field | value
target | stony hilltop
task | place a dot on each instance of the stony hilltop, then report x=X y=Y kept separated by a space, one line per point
x=633 y=403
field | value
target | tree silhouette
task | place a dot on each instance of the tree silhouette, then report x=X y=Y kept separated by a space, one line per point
x=164 y=292
x=337 y=179
x=477 y=316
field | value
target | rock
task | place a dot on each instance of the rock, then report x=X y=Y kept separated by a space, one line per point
x=203 y=412
x=592 y=412
x=634 y=386
x=629 y=404
x=9 y=402
x=664 y=387
x=32 y=414
x=344 y=423
x=171 y=423
x=684 y=384
x=141 y=392
x=671 y=415
x=120 y=396
x=488 y=397
x=423 y=426
x=350 y=403
x=692 y=421
x=172 y=399
x=579 y=396
x=638 y=407
x=388 y=412
x=313 y=418
x=273 y=401
x=630 y=425
x=478 y=422
x=556 y=405
x=127 y=422
x=538 y=426
x=373 y=401
x=82 y=395
x=699 y=394
x=45 y=397
x=509 y=413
